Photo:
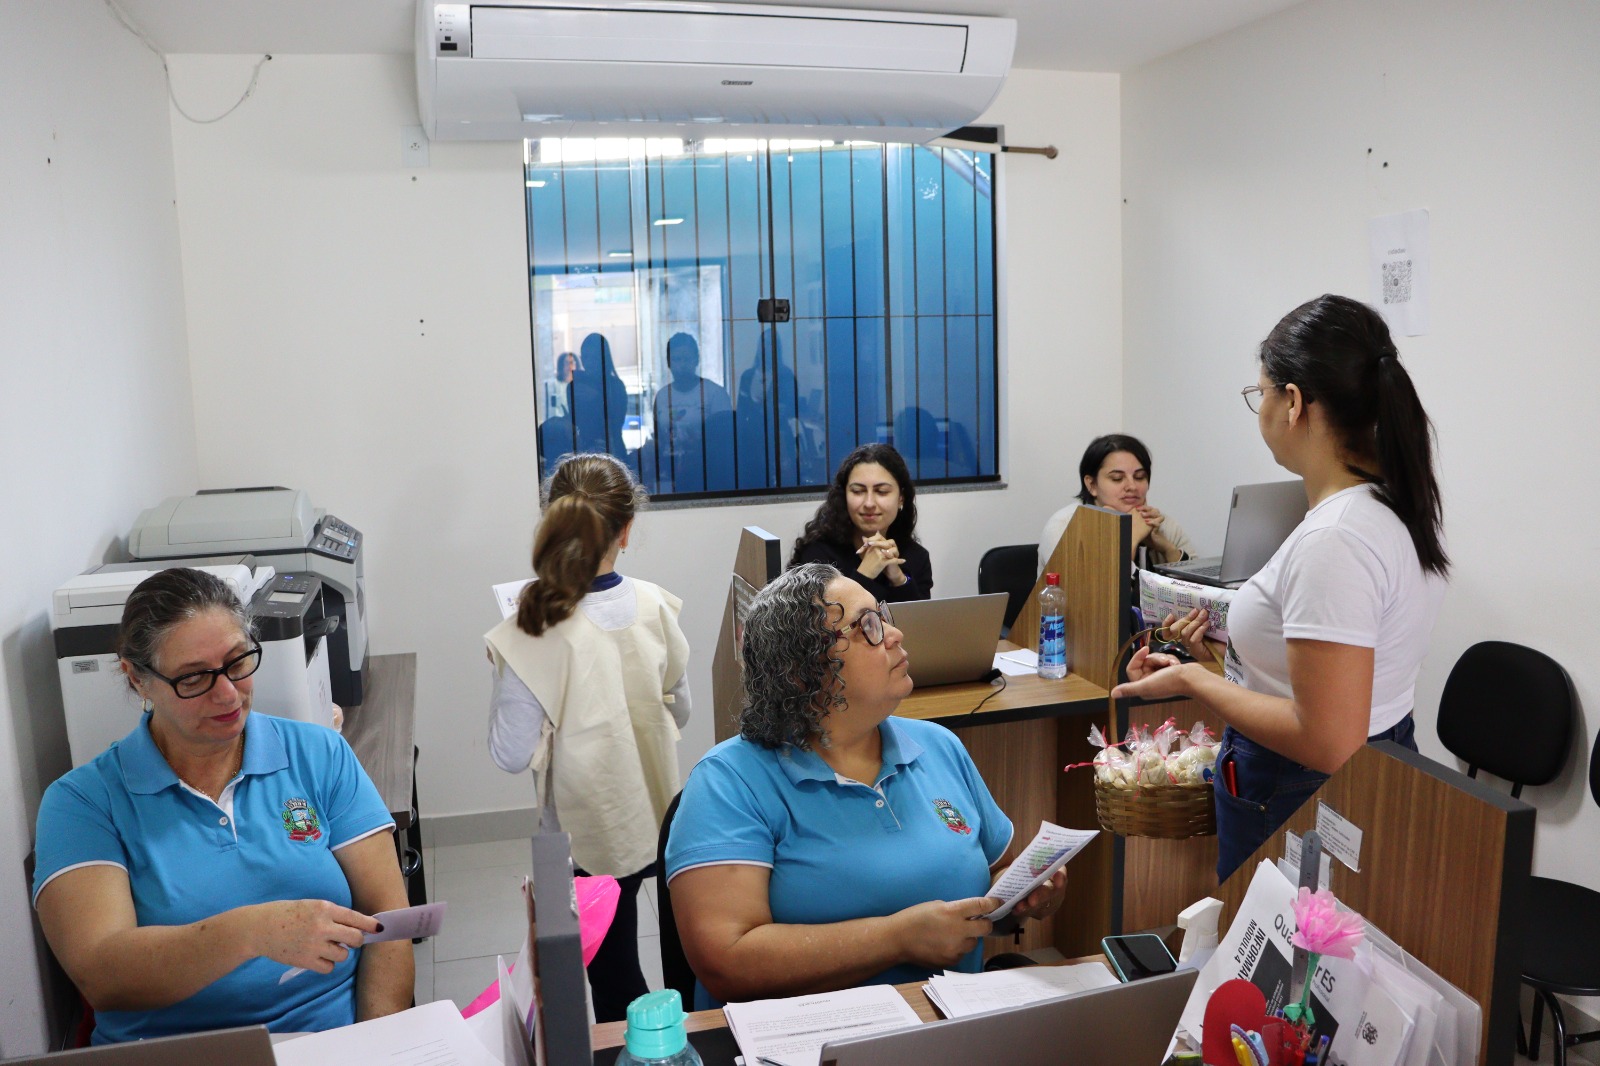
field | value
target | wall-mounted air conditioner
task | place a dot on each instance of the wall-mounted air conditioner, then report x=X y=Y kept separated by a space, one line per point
x=552 y=68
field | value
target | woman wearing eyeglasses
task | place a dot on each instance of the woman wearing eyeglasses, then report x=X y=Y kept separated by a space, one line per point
x=184 y=871
x=1326 y=641
x=831 y=845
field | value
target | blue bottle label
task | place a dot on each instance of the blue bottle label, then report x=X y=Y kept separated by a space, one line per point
x=1053 y=639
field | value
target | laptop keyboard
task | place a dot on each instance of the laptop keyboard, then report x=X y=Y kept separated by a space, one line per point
x=1208 y=571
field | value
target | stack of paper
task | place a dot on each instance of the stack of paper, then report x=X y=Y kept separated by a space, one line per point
x=960 y=994
x=431 y=1035
x=791 y=1032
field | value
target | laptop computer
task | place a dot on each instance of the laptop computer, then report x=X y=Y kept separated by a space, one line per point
x=1125 y=1025
x=247 y=1046
x=950 y=640
x=1260 y=519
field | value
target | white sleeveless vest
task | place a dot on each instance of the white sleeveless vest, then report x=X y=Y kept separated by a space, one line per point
x=609 y=755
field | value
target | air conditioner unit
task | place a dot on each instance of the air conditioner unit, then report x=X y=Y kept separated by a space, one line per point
x=576 y=68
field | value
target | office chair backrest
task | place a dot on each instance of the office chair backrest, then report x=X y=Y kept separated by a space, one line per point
x=1010 y=569
x=675 y=971
x=1509 y=710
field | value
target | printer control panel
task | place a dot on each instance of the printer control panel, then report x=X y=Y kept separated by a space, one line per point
x=336 y=539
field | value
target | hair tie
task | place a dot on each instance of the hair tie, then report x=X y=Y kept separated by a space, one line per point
x=1388 y=351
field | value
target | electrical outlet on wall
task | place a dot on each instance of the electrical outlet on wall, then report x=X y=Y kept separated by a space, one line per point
x=413 y=146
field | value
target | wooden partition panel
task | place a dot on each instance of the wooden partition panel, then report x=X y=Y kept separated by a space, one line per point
x=1093 y=559
x=1444 y=863
x=757 y=560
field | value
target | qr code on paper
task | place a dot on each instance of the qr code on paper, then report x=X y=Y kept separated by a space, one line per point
x=1397 y=281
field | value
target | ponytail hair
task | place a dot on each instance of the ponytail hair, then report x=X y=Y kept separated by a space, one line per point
x=1338 y=352
x=589 y=501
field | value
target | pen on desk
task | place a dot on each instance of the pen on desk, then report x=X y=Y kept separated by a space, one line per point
x=769 y=1062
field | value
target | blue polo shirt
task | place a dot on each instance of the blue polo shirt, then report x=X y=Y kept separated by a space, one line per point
x=300 y=796
x=838 y=849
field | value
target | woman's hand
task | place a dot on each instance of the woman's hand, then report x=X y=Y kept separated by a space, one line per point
x=880 y=555
x=1190 y=631
x=1154 y=676
x=1045 y=900
x=312 y=934
x=1141 y=526
x=937 y=934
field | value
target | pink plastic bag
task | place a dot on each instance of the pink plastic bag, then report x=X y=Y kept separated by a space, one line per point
x=597 y=906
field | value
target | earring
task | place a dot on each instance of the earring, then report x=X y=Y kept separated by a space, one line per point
x=148 y=706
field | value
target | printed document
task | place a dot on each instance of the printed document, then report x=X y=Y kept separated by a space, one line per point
x=431 y=1035
x=791 y=1032
x=1045 y=854
x=960 y=994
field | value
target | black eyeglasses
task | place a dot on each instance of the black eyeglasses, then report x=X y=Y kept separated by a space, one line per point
x=200 y=682
x=870 y=623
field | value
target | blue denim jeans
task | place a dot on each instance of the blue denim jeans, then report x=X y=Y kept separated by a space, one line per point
x=1270 y=789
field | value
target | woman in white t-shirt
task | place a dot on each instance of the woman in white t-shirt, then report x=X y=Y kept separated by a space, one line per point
x=1326 y=641
x=589 y=693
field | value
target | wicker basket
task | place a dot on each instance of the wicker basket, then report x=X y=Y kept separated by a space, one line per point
x=1170 y=812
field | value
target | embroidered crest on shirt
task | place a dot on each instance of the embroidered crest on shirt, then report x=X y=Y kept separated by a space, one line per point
x=951 y=817
x=301 y=820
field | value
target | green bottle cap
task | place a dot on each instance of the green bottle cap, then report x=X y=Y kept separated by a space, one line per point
x=655 y=1025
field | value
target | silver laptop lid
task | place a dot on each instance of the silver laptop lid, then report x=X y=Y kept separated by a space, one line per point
x=950 y=640
x=1125 y=1025
x=1260 y=519
x=249 y=1046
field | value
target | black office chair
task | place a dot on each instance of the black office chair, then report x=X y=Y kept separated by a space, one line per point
x=1561 y=946
x=675 y=971
x=1509 y=710
x=1011 y=569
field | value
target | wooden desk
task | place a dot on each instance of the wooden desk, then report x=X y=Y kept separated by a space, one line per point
x=383 y=731
x=609 y=1034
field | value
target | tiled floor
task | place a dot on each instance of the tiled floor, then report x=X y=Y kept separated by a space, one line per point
x=481 y=883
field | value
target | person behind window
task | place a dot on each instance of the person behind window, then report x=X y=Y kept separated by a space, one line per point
x=831 y=844
x=693 y=425
x=590 y=691
x=766 y=384
x=1327 y=639
x=183 y=871
x=1114 y=473
x=866 y=527
x=942 y=446
x=597 y=406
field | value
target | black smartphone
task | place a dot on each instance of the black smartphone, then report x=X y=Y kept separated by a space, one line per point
x=1138 y=955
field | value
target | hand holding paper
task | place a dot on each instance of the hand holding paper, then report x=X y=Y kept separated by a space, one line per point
x=1048 y=852
x=405 y=923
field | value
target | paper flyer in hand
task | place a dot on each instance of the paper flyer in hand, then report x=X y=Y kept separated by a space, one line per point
x=1048 y=852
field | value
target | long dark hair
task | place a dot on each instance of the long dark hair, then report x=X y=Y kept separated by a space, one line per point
x=1338 y=352
x=832 y=520
x=590 y=499
x=1102 y=448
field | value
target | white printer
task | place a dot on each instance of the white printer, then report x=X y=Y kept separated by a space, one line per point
x=279 y=527
x=292 y=681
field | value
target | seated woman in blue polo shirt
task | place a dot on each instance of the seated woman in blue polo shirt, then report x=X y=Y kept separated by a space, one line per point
x=185 y=870
x=829 y=844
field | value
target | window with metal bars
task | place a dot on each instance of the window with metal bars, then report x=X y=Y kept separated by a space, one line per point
x=733 y=317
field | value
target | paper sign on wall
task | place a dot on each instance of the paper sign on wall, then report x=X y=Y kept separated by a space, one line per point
x=1400 y=269
x=1341 y=837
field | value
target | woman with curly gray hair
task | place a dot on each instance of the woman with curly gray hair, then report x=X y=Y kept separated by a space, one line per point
x=831 y=844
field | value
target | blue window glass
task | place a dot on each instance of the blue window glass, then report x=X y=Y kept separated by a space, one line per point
x=732 y=317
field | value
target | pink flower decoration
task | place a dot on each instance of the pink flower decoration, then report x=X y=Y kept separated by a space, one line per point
x=1322 y=928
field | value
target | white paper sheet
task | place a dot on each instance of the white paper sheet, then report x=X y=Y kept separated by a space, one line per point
x=960 y=994
x=791 y=1032
x=1024 y=657
x=1048 y=852
x=506 y=593
x=1012 y=668
x=1400 y=270
x=431 y=1035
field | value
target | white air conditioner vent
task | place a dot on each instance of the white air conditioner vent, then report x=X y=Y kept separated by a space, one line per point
x=540 y=68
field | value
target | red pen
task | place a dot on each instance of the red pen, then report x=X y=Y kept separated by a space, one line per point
x=1231 y=776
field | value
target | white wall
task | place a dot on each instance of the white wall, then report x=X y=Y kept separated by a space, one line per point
x=360 y=330
x=1249 y=185
x=95 y=415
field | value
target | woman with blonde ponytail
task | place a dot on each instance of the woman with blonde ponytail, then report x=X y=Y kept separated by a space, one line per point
x=590 y=691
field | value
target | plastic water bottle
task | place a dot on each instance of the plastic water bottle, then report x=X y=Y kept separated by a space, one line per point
x=655 y=1035
x=1052 y=628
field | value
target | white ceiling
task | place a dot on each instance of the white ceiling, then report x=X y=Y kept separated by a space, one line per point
x=1090 y=35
